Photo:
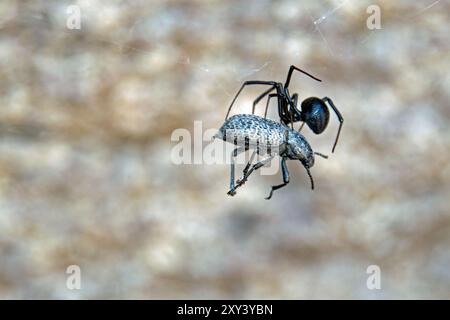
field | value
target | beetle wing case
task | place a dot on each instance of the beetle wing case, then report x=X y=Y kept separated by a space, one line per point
x=251 y=129
x=255 y=131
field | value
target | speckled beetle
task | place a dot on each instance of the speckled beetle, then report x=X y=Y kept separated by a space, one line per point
x=253 y=132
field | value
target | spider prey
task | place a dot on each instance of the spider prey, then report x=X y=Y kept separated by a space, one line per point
x=254 y=132
x=314 y=111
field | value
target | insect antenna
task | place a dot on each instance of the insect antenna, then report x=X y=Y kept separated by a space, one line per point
x=321 y=155
x=310 y=178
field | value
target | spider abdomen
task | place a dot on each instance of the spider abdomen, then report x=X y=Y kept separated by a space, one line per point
x=315 y=114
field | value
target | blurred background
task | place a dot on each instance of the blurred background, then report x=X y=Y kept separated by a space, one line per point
x=86 y=176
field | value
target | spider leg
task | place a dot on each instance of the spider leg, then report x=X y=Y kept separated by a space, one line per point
x=287 y=109
x=295 y=99
x=234 y=154
x=340 y=118
x=258 y=99
x=285 y=173
x=279 y=94
x=298 y=113
x=247 y=83
x=291 y=112
x=291 y=69
x=285 y=115
x=301 y=127
x=268 y=101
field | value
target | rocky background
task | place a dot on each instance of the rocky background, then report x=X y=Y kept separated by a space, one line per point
x=87 y=177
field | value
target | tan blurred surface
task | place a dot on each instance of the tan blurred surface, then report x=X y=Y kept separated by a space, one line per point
x=86 y=176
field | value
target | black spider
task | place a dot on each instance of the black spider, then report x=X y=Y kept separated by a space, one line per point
x=314 y=111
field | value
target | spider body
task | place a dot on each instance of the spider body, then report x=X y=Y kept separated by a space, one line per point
x=314 y=111
x=266 y=137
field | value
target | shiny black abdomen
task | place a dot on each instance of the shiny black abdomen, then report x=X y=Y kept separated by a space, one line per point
x=315 y=114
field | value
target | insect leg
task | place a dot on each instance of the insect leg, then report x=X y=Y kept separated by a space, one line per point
x=256 y=166
x=249 y=163
x=340 y=118
x=247 y=83
x=285 y=172
x=321 y=155
x=235 y=152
